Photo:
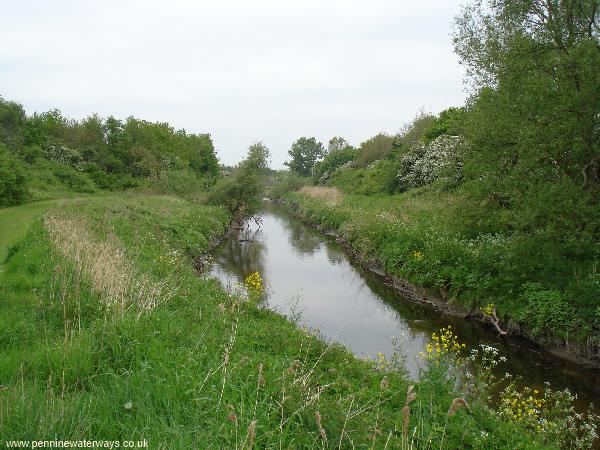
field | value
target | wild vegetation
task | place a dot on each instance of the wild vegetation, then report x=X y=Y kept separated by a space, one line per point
x=48 y=155
x=107 y=330
x=495 y=202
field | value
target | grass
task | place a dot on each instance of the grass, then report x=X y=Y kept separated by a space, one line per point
x=84 y=356
x=326 y=194
x=16 y=220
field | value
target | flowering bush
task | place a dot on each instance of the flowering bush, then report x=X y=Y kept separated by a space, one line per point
x=64 y=155
x=425 y=163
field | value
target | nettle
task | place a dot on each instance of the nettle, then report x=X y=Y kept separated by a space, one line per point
x=426 y=163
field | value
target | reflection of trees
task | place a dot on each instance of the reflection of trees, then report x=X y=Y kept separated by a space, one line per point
x=243 y=258
x=301 y=238
x=335 y=254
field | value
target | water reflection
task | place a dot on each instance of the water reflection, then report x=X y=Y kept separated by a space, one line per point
x=358 y=309
x=242 y=253
x=302 y=239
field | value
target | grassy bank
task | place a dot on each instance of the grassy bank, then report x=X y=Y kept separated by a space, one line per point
x=107 y=332
x=541 y=287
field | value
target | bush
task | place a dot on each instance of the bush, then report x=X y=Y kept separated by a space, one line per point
x=331 y=162
x=13 y=182
x=64 y=155
x=287 y=182
x=73 y=179
x=547 y=311
x=425 y=163
x=378 y=178
x=374 y=149
x=241 y=193
x=180 y=182
x=109 y=181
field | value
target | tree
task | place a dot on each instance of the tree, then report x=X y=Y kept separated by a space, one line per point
x=534 y=67
x=12 y=124
x=202 y=158
x=449 y=122
x=374 y=149
x=13 y=182
x=304 y=154
x=413 y=131
x=241 y=192
x=331 y=162
x=337 y=143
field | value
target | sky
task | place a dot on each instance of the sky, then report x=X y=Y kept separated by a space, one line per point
x=243 y=71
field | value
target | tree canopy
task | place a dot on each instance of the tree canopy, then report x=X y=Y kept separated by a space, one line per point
x=304 y=154
x=534 y=67
x=110 y=152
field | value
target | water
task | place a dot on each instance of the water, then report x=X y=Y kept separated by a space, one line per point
x=308 y=275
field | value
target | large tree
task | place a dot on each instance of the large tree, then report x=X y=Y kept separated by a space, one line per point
x=304 y=154
x=535 y=72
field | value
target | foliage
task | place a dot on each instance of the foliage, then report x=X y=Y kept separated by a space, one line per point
x=221 y=368
x=184 y=183
x=415 y=130
x=379 y=178
x=334 y=159
x=535 y=65
x=547 y=413
x=337 y=144
x=550 y=413
x=425 y=163
x=241 y=193
x=373 y=149
x=13 y=181
x=547 y=311
x=449 y=122
x=304 y=154
x=286 y=182
x=110 y=154
x=12 y=124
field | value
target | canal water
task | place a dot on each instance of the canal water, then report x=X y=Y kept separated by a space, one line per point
x=309 y=277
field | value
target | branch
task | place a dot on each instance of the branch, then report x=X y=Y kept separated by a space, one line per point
x=495 y=321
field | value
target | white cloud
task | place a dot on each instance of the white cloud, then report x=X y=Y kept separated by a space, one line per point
x=243 y=71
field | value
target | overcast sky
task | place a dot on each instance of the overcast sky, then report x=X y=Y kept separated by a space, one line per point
x=242 y=71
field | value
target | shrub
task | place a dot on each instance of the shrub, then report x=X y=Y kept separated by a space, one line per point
x=64 y=155
x=331 y=162
x=425 y=163
x=13 y=182
x=180 y=182
x=374 y=149
x=547 y=311
x=288 y=182
x=73 y=179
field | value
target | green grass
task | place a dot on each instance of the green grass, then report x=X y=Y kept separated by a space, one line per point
x=196 y=370
x=16 y=220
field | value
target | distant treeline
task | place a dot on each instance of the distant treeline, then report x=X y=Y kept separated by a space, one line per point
x=45 y=153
